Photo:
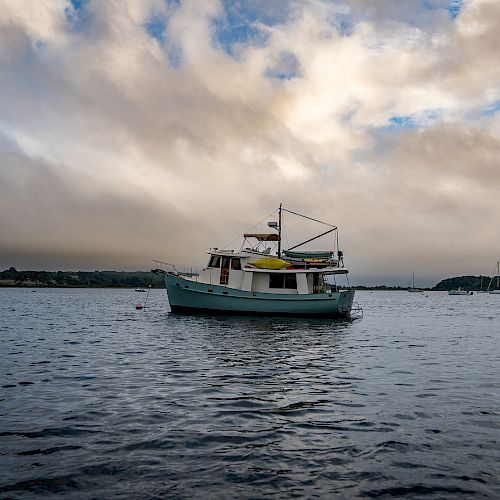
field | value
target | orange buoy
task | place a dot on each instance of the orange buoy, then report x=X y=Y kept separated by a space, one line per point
x=138 y=306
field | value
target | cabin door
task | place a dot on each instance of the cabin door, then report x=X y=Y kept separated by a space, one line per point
x=224 y=270
x=316 y=283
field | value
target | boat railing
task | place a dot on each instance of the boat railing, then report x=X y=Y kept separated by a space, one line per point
x=167 y=268
x=356 y=311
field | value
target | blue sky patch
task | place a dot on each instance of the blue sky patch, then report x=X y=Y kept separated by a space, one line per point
x=455 y=8
x=402 y=122
x=78 y=4
x=493 y=109
x=228 y=34
x=287 y=67
x=241 y=19
x=174 y=52
x=156 y=27
x=78 y=16
x=411 y=122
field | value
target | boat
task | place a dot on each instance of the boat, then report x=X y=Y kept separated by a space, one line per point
x=459 y=291
x=140 y=290
x=496 y=272
x=265 y=280
x=411 y=285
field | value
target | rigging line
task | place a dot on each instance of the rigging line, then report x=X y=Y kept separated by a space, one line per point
x=255 y=225
x=284 y=230
x=312 y=239
x=310 y=218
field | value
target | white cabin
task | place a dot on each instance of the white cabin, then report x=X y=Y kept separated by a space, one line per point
x=234 y=270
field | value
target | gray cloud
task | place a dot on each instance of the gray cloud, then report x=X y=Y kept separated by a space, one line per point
x=111 y=154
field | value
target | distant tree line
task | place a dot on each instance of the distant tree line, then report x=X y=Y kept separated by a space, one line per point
x=135 y=279
x=142 y=279
x=469 y=283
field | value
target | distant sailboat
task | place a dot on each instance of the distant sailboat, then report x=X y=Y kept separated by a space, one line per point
x=459 y=291
x=411 y=285
x=496 y=273
x=481 y=286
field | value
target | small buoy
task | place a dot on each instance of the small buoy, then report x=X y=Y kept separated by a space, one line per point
x=138 y=306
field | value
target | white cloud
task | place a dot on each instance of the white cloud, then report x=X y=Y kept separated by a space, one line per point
x=98 y=117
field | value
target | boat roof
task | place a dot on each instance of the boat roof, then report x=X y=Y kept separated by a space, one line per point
x=263 y=236
x=230 y=253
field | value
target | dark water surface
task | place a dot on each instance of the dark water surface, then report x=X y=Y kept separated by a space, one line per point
x=98 y=400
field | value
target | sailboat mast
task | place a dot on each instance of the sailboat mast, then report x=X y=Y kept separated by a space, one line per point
x=279 y=232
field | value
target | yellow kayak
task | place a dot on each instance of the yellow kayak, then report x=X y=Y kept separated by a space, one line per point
x=270 y=263
x=317 y=262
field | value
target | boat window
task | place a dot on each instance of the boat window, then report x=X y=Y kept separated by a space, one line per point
x=291 y=281
x=281 y=280
x=276 y=280
x=236 y=264
x=214 y=261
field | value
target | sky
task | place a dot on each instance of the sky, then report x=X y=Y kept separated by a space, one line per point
x=139 y=129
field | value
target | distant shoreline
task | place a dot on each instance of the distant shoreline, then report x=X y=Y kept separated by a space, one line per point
x=123 y=287
x=28 y=284
x=79 y=279
x=12 y=278
x=159 y=287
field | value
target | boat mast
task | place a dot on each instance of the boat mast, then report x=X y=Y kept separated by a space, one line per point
x=411 y=284
x=279 y=232
x=496 y=273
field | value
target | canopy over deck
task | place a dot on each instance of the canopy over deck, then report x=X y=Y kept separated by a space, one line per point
x=263 y=236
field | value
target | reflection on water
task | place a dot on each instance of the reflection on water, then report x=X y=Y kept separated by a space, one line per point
x=101 y=400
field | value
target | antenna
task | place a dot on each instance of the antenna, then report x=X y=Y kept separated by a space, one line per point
x=279 y=232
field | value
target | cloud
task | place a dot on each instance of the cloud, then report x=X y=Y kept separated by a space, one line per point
x=122 y=144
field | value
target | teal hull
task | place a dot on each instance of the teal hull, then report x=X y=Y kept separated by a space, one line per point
x=191 y=296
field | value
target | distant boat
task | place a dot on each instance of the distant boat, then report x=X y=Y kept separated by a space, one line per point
x=495 y=291
x=411 y=285
x=459 y=291
x=140 y=290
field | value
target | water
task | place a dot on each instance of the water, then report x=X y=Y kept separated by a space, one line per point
x=98 y=400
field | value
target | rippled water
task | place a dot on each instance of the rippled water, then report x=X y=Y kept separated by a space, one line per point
x=100 y=400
